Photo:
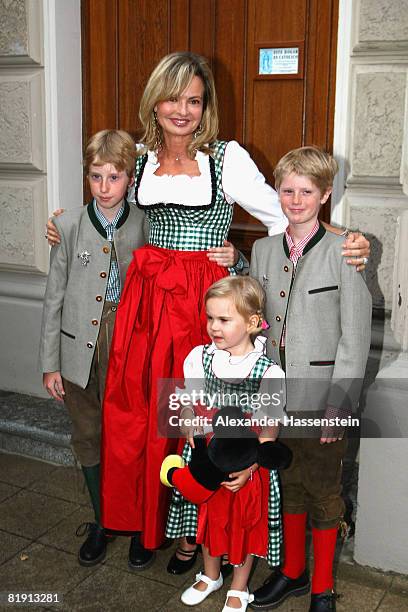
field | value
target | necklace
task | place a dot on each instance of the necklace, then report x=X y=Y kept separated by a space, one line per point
x=179 y=157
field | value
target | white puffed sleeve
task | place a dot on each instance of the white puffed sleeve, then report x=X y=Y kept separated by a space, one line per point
x=130 y=196
x=245 y=184
x=193 y=363
x=193 y=374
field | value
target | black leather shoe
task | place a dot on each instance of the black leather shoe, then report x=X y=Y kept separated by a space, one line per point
x=277 y=588
x=93 y=550
x=139 y=557
x=323 y=602
x=178 y=566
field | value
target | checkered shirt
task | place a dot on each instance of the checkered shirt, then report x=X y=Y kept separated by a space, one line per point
x=113 y=284
x=182 y=518
x=296 y=250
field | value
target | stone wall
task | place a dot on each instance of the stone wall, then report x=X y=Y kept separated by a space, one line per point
x=374 y=140
x=374 y=126
x=23 y=203
x=40 y=165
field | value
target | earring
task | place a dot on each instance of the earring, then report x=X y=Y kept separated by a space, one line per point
x=198 y=131
x=158 y=141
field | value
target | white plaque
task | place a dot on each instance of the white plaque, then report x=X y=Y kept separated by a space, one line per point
x=283 y=60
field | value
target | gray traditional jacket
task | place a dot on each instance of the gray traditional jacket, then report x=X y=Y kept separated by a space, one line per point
x=76 y=287
x=327 y=309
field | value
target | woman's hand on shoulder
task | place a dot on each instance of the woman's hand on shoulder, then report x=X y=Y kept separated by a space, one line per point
x=357 y=248
x=225 y=256
x=52 y=233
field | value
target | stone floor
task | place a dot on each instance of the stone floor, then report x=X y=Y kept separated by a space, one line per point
x=41 y=505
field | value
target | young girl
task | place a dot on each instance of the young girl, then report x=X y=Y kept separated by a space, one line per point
x=234 y=521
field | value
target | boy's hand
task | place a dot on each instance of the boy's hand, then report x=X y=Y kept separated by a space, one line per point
x=239 y=479
x=225 y=256
x=52 y=382
x=333 y=432
x=357 y=247
x=52 y=234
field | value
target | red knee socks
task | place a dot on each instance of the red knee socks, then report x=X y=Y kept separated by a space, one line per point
x=324 y=547
x=294 y=541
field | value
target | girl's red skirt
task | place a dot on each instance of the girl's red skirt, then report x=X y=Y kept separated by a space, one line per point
x=237 y=523
x=161 y=317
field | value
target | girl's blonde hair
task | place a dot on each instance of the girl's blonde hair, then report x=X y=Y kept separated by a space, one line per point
x=115 y=147
x=246 y=293
x=169 y=79
x=315 y=163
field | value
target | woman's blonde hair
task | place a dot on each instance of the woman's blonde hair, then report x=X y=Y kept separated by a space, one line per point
x=246 y=293
x=169 y=79
x=115 y=147
x=315 y=163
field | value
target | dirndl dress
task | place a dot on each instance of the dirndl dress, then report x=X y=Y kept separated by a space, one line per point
x=160 y=318
x=237 y=524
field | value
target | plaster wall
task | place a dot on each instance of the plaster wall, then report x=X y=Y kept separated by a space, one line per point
x=40 y=165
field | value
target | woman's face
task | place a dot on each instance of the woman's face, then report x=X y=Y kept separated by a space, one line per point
x=181 y=116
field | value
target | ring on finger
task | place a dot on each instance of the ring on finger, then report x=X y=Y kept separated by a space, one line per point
x=365 y=261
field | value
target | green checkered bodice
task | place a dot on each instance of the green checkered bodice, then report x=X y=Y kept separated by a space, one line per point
x=190 y=228
x=234 y=394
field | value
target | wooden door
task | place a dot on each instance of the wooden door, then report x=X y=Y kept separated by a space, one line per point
x=124 y=39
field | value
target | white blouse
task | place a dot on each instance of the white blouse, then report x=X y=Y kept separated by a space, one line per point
x=235 y=368
x=242 y=182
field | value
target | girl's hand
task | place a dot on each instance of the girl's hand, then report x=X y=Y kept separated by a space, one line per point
x=52 y=233
x=239 y=479
x=225 y=256
x=357 y=247
x=268 y=434
x=188 y=430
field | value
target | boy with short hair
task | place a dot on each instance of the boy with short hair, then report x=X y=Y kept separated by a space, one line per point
x=319 y=310
x=87 y=273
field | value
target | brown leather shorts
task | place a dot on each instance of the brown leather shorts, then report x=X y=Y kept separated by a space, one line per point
x=312 y=483
x=85 y=405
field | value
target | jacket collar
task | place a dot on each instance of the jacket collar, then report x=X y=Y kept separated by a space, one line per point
x=312 y=242
x=97 y=224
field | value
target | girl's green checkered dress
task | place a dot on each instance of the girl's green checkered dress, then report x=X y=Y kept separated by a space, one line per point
x=183 y=515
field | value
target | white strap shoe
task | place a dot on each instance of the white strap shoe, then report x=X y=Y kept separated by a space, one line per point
x=243 y=596
x=192 y=596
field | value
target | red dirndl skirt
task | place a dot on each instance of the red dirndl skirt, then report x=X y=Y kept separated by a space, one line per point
x=161 y=317
x=236 y=523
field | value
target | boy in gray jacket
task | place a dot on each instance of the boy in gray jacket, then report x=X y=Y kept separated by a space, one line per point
x=87 y=273
x=92 y=250
x=319 y=310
